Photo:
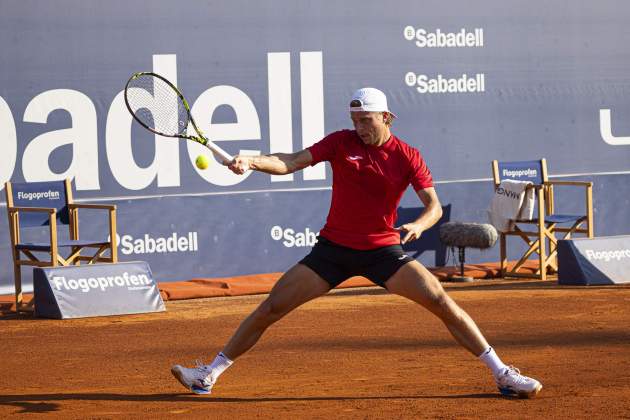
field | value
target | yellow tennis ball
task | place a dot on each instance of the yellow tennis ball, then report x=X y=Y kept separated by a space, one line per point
x=202 y=162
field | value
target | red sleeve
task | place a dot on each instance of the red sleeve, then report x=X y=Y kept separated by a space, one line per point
x=420 y=174
x=326 y=148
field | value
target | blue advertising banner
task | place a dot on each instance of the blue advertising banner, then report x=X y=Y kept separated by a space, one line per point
x=96 y=290
x=595 y=261
x=511 y=81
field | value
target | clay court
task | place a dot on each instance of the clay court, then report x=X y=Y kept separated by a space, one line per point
x=355 y=353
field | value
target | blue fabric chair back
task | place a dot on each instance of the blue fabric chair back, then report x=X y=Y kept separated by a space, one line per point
x=40 y=194
x=530 y=170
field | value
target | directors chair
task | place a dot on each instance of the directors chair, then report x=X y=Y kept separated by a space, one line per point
x=37 y=204
x=546 y=221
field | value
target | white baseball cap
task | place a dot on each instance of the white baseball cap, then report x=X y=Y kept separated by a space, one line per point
x=369 y=99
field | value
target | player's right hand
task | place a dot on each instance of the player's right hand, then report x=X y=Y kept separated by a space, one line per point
x=240 y=164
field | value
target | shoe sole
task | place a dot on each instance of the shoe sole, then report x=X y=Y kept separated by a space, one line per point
x=178 y=374
x=523 y=395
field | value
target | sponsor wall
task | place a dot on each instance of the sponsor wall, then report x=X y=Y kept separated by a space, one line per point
x=500 y=80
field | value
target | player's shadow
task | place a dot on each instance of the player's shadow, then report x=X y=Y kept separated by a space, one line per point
x=45 y=403
x=33 y=407
x=430 y=239
x=367 y=398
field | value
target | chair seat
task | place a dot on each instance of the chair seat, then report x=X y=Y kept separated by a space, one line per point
x=555 y=218
x=43 y=246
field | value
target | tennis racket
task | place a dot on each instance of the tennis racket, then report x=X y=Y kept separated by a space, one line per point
x=161 y=108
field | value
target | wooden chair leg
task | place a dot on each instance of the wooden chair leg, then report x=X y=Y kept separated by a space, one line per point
x=543 y=255
x=17 y=273
x=112 y=235
x=502 y=242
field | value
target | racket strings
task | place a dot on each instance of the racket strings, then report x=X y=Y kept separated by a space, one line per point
x=157 y=105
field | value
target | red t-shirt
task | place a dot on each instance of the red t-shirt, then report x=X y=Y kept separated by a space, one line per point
x=368 y=183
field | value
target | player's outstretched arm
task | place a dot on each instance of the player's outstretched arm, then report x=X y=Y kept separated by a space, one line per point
x=276 y=163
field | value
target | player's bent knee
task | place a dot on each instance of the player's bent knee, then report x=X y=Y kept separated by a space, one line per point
x=442 y=305
x=268 y=312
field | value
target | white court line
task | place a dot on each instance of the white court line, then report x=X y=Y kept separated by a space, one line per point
x=139 y=197
x=453 y=181
x=9 y=290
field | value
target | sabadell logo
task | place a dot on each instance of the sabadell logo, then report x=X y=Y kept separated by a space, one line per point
x=291 y=238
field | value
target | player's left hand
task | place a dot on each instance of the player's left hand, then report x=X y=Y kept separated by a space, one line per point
x=413 y=232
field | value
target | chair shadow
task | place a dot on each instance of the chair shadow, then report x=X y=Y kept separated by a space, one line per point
x=490 y=284
x=10 y=314
x=43 y=403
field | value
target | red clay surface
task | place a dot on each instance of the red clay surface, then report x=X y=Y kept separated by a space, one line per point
x=355 y=353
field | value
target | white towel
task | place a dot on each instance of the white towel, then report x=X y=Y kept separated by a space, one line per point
x=512 y=200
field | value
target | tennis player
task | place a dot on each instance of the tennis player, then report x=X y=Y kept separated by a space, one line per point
x=372 y=168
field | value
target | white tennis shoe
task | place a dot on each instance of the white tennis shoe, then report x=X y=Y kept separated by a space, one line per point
x=198 y=379
x=512 y=383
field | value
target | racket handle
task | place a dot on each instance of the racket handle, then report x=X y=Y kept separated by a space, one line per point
x=219 y=152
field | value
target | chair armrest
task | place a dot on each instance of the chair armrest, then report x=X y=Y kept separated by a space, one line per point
x=74 y=221
x=31 y=209
x=92 y=206
x=574 y=183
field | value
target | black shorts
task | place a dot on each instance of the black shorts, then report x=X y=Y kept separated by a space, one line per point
x=335 y=263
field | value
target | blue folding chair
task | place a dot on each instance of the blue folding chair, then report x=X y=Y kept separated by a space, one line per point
x=546 y=221
x=38 y=204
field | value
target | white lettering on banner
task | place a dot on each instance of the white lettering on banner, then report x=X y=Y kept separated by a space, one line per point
x=291 y=238
x=8 y=137
x=312 y=96
x=605 y=129
x=102 y=283
x=247 y=127
x=30 y=196
x=164 y=170
x=165 y=165
x=152 y=245
x=441 y=84
x=280 y=121
x=617 y=254
x=439 y=39
x=82 y=136
x=517 y=173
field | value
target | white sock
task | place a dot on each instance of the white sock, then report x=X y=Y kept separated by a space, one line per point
x=219 y=365
x=490 y=358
